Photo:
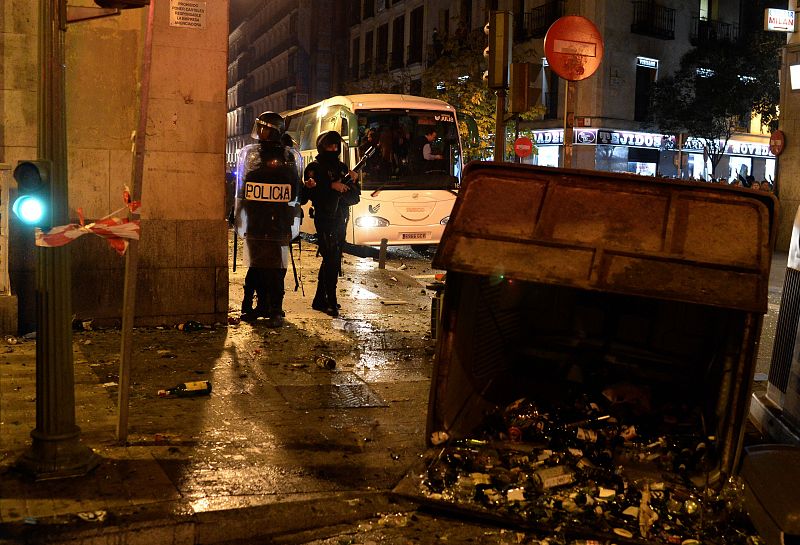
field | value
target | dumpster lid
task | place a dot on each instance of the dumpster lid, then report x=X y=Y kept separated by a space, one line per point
x=655 y=237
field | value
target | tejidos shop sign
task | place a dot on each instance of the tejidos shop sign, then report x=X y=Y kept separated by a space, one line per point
x=608 y=137
x=601 y=137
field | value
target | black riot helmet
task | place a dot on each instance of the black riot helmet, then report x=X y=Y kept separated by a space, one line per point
x=326 y=139
x=268 y=127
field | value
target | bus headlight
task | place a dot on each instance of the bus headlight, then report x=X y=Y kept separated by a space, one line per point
x=371 y=221
x=444 y=220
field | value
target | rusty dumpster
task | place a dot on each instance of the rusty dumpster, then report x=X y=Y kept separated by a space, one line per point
x=596 y=351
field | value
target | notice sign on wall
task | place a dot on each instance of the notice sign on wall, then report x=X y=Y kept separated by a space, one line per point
x=187 y=13
x=779 y=20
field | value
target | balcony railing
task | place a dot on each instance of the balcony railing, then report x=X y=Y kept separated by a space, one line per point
x=709 y=31
x=536 y=22
x=652 y=19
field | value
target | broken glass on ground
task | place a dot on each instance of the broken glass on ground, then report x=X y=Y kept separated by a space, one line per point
x=612 y=468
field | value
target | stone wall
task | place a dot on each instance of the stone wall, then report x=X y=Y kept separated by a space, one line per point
x=183 y=270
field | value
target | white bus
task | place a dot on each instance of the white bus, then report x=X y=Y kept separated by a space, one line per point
x=404 y=199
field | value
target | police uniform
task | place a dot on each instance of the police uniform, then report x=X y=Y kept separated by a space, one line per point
x=266 y=217
x=331 y=213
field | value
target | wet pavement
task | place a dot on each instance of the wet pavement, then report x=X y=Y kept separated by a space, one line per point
x=282 y=451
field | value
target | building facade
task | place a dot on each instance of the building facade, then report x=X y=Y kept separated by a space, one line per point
x=183 y=258
x=643 y=41
x=283 y=55
x=393 y=42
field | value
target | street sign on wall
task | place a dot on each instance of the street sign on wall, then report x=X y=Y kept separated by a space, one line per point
x=777 y=142
x=779 y=20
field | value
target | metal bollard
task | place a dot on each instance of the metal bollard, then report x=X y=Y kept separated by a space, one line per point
x=382 y=254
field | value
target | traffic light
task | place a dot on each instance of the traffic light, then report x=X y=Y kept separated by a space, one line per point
x=32 y=205
x=122 y=4
x=524 y=94
x=498 y=52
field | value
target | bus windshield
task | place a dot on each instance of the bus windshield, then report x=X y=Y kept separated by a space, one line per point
x=415 y=149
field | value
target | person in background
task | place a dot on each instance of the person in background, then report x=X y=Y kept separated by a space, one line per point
x=423 y=157
x=332 y=188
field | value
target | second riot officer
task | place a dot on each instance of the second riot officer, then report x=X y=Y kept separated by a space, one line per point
x=266 y=216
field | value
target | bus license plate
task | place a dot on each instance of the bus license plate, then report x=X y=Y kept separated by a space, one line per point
x=414 y=236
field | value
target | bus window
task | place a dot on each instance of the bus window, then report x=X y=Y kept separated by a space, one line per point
x=400 y=137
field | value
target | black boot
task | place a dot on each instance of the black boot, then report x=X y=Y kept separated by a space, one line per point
x=248 y=314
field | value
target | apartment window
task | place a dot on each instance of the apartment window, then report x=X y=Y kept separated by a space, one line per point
x=465 y=13
x=383 y=48
x=646 y=70
x=369 y=52
x=354 y=58
x=417 y=24
x=550 y=85
x=398 y=38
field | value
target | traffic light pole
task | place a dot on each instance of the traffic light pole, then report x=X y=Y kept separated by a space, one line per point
x=500 y=127
x=56 y=450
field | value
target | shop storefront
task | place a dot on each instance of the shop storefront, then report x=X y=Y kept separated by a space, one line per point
x=652 y=154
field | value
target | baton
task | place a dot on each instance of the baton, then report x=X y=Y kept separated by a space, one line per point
x=234 y=249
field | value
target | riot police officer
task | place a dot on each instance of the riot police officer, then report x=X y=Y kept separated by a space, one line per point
x=266 y=216
x=332 y=189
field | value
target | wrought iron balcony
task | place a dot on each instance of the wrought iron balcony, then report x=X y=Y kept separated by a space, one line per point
x=536 y=22
x=652 y=19
x=709 y=31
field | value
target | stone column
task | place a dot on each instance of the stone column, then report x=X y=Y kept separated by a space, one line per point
x=788 y=172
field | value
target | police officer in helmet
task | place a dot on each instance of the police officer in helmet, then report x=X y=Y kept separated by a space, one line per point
x=332 y=188
x=266 y=216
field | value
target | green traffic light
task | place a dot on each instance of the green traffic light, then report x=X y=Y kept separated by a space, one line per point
x=33 y=183
x=29 y=209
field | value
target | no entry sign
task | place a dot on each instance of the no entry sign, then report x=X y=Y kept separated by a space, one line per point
x=573 y=47
x=523 y=146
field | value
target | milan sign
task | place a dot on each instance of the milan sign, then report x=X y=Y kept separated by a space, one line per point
x=779 y=20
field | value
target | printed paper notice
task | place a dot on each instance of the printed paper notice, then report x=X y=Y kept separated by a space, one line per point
x=187 y=13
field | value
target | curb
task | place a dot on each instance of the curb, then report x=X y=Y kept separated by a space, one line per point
x=174 y=523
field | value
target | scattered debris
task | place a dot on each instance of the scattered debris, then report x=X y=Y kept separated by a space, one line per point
x=582 y=468
x=93 y=516
x=187 y=389
x=394 y=302
x=325 y=362
x=189 y=326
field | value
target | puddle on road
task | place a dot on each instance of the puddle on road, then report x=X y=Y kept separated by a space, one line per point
x=362 y=293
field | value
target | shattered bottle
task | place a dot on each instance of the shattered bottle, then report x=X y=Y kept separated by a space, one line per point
x=187 y=389
x=326 y=362
x=190 y=326
x=526 y=422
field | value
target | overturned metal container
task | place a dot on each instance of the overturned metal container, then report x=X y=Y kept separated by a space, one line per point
x=560 y=278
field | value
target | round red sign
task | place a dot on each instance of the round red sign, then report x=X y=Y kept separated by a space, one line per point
x=777 y=141
x=523 y=146
x=573 y=47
